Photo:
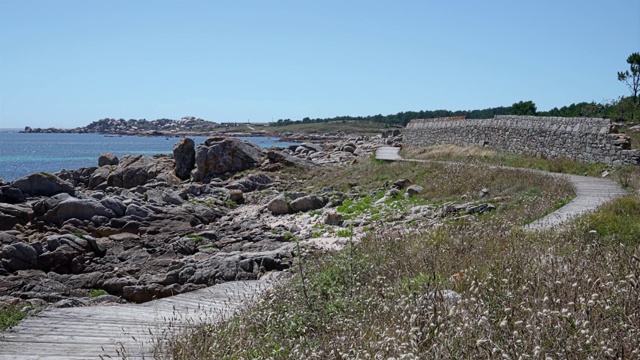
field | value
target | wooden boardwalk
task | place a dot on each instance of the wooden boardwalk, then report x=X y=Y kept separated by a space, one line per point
x=113 y=331
x=591 y=193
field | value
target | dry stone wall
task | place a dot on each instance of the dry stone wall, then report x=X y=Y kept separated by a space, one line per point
x=588 y=140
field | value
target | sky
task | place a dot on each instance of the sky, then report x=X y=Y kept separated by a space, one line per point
x=68 y=63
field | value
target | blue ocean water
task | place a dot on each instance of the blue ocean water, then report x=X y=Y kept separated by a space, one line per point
x=23 y=154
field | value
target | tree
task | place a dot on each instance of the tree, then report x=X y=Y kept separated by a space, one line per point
x=632 y=79
x=523 y=108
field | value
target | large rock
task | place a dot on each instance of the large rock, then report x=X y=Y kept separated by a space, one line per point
x=251 y=183
x=19 y=256
x=108 y=159
x=43 y=184
x=184 y=155
x=281 y=157
x=74 y=208
x=220 y=155
x=134 y=170
x=10 y=215
x=279 y=205
x=307 y=203
x=11 y=195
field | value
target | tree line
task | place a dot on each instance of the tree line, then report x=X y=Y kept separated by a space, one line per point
x=622 y=109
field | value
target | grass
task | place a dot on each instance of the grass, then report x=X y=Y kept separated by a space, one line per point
x=197 y=238
x=344 y=233
x=521 y=295
x=494 y=157
x=570 y=294
x=10 y=316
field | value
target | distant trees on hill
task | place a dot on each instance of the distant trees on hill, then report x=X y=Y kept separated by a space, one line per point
x=621 y=109
x=402 y=118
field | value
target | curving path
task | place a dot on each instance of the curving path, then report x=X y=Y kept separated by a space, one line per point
x=129 y=331
x=591 y=192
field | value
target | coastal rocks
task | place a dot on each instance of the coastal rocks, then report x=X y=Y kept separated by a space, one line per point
x=135 y=170
x=289 y=203
x=11 y=195
x=11 y=215
x=43 y=184
x=184 y=156
x=220 y=155
x=18 y=256
x=252 y=182
x=307 y=203
x=108 y=159
x=279 y=205
x=137 y=231
x=81 y=209
x=279 y=159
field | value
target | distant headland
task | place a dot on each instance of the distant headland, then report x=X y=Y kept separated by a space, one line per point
x=188 y=125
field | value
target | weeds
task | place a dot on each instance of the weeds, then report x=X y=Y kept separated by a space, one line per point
x=10 y=316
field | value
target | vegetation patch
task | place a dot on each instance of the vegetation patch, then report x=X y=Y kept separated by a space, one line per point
x=197 y=238
x=10 y=316
x=98 y=292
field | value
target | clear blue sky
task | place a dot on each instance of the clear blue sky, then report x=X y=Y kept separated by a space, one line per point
x=68 y=63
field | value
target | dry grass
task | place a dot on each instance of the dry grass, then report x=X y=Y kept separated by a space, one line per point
x=477 y=155
x=571 y=294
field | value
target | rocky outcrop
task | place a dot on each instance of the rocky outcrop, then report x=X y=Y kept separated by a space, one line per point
x=43 y=184
x=80 y=209
x=222 y=155
x=132 y=171
x=135 y=230
x=184 y=156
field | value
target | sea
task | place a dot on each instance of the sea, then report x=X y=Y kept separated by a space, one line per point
x=23 y=154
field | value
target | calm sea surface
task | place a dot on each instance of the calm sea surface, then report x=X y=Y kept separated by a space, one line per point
x=23 y=154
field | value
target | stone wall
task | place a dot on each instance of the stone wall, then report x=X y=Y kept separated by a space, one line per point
x=588 y=140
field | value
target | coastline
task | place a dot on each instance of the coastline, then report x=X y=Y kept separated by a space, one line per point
x=132 y=229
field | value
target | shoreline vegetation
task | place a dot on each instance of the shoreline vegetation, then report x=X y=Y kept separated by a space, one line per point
x=466 y=288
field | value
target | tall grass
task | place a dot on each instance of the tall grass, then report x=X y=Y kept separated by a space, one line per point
x=517 y=294
x=520 y=295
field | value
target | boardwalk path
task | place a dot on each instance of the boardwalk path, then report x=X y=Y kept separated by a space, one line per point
x=89 y=332
x=591 y=193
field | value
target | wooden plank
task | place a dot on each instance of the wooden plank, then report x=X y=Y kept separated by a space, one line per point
x=88 y=332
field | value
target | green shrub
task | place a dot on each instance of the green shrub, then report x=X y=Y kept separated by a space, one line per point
x=97 y=292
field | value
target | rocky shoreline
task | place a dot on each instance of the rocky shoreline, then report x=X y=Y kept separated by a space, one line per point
x=145 y=227
x=192 y=126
